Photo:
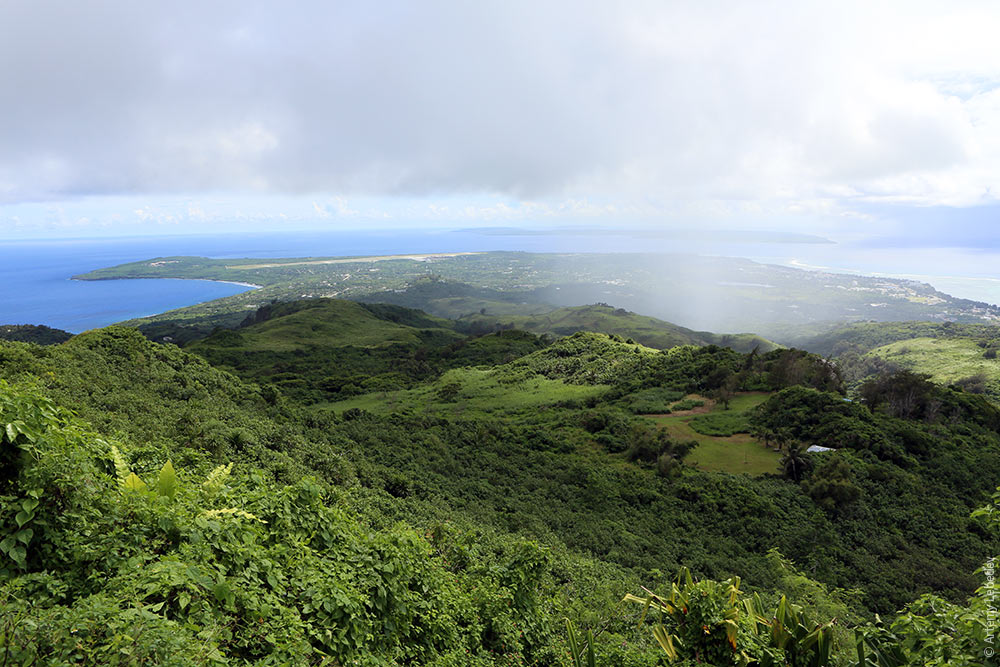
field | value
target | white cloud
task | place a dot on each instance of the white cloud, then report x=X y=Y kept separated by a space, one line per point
x=780 y=103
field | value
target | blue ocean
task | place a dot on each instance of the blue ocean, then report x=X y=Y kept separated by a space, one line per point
x=35 y=285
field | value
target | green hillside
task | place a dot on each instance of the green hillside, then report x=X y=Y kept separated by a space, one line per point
x=319 y=323
x=949 y=352
x=946 y=360
x=462 y=524
x=602 y=318
x=30 y=333
x=865 y=336
x=472 y=392
x=320 y=349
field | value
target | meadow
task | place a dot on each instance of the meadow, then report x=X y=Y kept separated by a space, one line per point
x=724 y=445
x=946 y=360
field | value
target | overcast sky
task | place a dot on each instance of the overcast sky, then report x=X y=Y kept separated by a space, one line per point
x=833 y=117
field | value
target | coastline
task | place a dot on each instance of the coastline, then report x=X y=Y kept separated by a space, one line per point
x=213 y=280
x=421 y=257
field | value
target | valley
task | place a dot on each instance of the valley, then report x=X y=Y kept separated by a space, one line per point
x=516 y=461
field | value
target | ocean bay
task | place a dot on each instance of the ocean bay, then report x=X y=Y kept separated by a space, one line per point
x=35 y=285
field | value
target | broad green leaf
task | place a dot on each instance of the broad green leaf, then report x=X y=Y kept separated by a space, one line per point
x=166 y=484
x=29 y=504
x=24 y=535
x=22 y=518
x=18 y=554
x=223 y=593
x=133 y=483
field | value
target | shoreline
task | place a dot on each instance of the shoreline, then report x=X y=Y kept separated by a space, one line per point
x=419 y=257
x=212 y=280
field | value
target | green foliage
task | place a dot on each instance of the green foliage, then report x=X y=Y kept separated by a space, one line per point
x=656 y=400
x=932 y=631
x=324 y=349
x=686 y=404
x=649 y=444
x=582 y=656
x=602 y=318
x=200 y=584
x=551 y=518
x=721 y=423
x=832 y=486
x=30 y=333
x=707 y=621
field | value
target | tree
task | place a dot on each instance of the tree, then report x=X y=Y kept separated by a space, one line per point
x=831 y=486
x=795 y=462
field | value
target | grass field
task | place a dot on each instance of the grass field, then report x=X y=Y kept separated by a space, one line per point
x=471 y=391
x=737 y=453
x=945 y=360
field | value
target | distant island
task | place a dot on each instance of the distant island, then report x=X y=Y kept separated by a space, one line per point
x=696 y=235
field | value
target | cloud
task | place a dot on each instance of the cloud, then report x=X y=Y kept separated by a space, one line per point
x=558 y=101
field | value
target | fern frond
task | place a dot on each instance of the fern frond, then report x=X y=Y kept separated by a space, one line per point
x=121 y=467
x=230 y=511
x=217 y=479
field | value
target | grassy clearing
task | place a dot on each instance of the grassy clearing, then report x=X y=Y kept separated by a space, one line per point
x=468 y=392
x=945 y=360
x=738 y=453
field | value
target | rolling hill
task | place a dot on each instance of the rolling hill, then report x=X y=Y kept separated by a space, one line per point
x=949 y=352
x=602 y=318
x=316 y=349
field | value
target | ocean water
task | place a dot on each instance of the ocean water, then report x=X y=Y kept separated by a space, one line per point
x=35 y=285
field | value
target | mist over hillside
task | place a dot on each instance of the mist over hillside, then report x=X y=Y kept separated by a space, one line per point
x=700 y=293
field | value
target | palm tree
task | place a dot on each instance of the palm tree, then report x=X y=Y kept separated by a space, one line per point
x=795 y=463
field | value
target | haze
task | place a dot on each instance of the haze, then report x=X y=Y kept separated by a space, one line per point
x=875 y=127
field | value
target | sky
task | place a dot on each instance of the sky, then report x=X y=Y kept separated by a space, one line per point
x=868 y=123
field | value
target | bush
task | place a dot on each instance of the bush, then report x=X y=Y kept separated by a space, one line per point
x=686 y=404
x=720 y=424
x=652 y=401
